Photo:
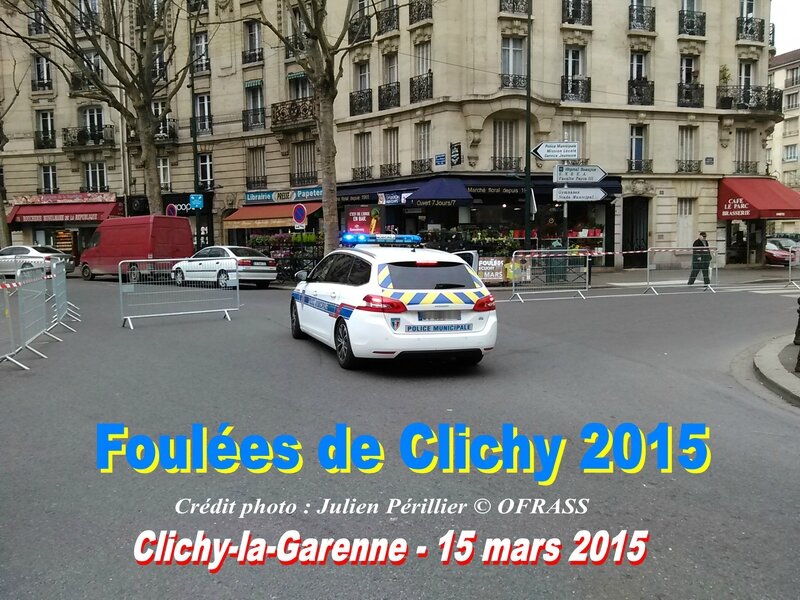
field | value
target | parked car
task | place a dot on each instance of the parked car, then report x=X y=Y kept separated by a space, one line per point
x=215 y=264
x=22 y=257
x=775 y=255
x=782 y=243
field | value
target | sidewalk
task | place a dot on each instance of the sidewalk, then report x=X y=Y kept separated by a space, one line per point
x=774 y=365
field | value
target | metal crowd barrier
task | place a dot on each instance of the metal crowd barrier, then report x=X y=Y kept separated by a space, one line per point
x=542 y=271
x=794 y=269
x=163 y=288
x=8 y=345
x=673 y=267
x=61 y=308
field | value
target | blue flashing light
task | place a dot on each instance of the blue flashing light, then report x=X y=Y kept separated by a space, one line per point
x=351 y=239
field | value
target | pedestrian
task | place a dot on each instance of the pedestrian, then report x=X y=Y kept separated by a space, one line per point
x=701 y=258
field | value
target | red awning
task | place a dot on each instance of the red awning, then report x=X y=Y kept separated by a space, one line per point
x=270 y=211
x=87 y=212
x=744 y=198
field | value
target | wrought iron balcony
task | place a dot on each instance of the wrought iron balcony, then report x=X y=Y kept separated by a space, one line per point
x=46 y=190
x=41 y=85
x=390 y=170
x=389 y=95
x=640 y=91
x=362 y=173
x=255 y=118
x=388 y=19
x=81 y=137
x=252 y=56
x=688 y=166
x=256 y=183
x=205 y=185
x=203 y=125
x=167 y=132
x=85 y=21
x=421 y=87
x=36 y=24
x=756 y=97
x=419 y=10
x=641 y=18
x=78 y=82
x=513 y=82
x=517 y=7
x=640 y=165
x=691 y=95
x=44 y=139
x=576 y=12
x=421 y=165
x=576 y=89
x=691 y=22
x=750 y=29
x=93 y=188
x=745 y=167
x=293 y=113
x=506 y=163
x=201 y=65
x=360 y=29
x=303 y=178
x=360 y=102
x=296 y=45
x=197 y=5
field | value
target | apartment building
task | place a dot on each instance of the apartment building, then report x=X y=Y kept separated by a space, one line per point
x=670 y=98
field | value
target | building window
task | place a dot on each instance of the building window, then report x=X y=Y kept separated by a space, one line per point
x=92 y=117
x=201 y=61
x=423 y=139
x=685 y=225
x=203 y=113
x=638 y=65
x=390 y=73
x=686 y=143
x=576 y=132
x=746 y=73
x=573 y=62
x=45 y=123
x=163 y=173
x=254 y=97
x=687 y=69
x=205 y=172
x=512 y=57
x=792 y=100
x=42 y=70
x=790 y=126
x=304 y=163
x=391 y=145
x=504 y=148
x=743 y=144
x=48 y=179
x=422 y=58
x=299 y=87
x=252 y=35
x=95 y=177
x=637 y=161
x=362 y=76
x=256 y=168
x=790 y=152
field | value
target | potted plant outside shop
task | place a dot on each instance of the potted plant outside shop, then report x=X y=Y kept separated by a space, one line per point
x=726 y=100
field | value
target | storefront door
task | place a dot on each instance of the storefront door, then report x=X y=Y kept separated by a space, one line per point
x=634 y=231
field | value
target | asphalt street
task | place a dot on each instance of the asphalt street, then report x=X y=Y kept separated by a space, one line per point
x=67 y=530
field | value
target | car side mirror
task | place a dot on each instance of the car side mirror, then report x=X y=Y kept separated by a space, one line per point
x=301 y=276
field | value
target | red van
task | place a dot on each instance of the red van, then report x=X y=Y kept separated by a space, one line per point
x=135 y=238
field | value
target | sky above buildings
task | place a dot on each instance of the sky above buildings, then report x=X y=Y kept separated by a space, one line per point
x=786 y=16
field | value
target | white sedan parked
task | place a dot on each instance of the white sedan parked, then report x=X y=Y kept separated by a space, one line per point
x=220 y=264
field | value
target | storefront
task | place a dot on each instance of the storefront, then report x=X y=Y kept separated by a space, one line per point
x=202 y=217
x=269 y=213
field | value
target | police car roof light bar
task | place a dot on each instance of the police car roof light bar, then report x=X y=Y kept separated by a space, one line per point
x=351 y=239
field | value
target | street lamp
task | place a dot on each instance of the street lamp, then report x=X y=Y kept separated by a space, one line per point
x=528 y=186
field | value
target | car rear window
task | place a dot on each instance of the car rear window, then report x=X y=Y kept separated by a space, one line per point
x=245 y=252
x=48 y=250
x=435 y=276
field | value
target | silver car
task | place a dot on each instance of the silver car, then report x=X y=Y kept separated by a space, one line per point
x=214 y=263
x=13 y=258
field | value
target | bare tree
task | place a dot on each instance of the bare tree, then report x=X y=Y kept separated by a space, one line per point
x=5 y=106
x=121 y=52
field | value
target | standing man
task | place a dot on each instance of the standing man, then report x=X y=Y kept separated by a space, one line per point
x=701 y=257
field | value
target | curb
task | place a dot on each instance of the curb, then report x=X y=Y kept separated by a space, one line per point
x=769 y=369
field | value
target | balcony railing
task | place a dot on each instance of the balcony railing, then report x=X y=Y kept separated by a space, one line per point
x=85 y=21
x=79 y=137
x=389 y=95
x=303 y=178
x=360 y=102
x=640 y=91
x=691 y=95
x=252 y=56
x=360 y=29
x=255 y=118
x=421 y=165
x=576 y=12
x=517 y=7
x=749 y=28
x=506 y=163
x=421 y=87
x=388 y=19
x=46 y=190
x=197 y=5
x=44 y=139
x=419 y=10
x=362 y=173
x=792 y=81
x=205 y=185
x=203 y=125
x=641 y=18
x=167 y=132
x=201 y=65
x=688 y=166
x=390 y=170
x=36 y=26
x=297 y=44
x=754 y=97
x=745 y=167
x=691 y=22
x=576 y=89
x=93 y=188
x=41 y=85
x=293 y=113
x=78 y=82
x=640 y=165
x=513 y=82
x=256 y=183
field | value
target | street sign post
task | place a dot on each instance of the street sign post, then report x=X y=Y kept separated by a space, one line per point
x=556 y=151
x=578 y=174
x=299 y=214
x=171 y=210
x=578 y=194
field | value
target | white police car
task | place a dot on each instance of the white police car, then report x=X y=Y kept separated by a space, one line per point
x=377 y=301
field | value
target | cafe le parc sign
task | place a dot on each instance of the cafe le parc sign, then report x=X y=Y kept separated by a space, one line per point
x=736 y=208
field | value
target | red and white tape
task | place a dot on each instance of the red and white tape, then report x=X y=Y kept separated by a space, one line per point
x=19 y=284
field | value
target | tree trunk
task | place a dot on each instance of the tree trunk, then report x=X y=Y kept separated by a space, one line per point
x=145 y=130
x=327 y=157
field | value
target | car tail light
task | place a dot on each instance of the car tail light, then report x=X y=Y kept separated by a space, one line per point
x=427 y=263
x=485 y=304
x=48 y=258
x=381 y=304
x=271 y=263
x=245 y=262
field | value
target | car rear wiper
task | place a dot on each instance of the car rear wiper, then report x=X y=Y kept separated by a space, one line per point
x=448 y=286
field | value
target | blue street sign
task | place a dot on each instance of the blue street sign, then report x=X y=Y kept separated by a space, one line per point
x=299 y=214
x=441 y=160
x=195 y=200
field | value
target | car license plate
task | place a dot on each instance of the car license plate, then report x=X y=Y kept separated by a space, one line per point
x=259 y=264
x=439 y=315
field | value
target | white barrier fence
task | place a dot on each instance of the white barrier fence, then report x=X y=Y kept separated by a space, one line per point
x=164 y=288
x=681 y=267
x=548 y=271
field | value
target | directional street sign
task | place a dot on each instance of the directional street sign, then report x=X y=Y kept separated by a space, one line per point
x=578 y=174
x=556 y=151
x=578 y=194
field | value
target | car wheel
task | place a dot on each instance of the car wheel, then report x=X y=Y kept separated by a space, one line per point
x=470 y=360
x=179 y=277
x=344 y=351
x=294 y=318
x=26 y=266
x=262 y=285
x=86 y=273
x=222 y=279
x=134 y=276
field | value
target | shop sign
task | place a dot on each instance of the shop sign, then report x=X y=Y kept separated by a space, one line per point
x=78 y=197
x=56 y=218
x=293 y=195
x=393 y=198
x=455 y=154
x=364 y=219
x=437 y=203
x=486 y=190
x=491 y=268
x=736 y=208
